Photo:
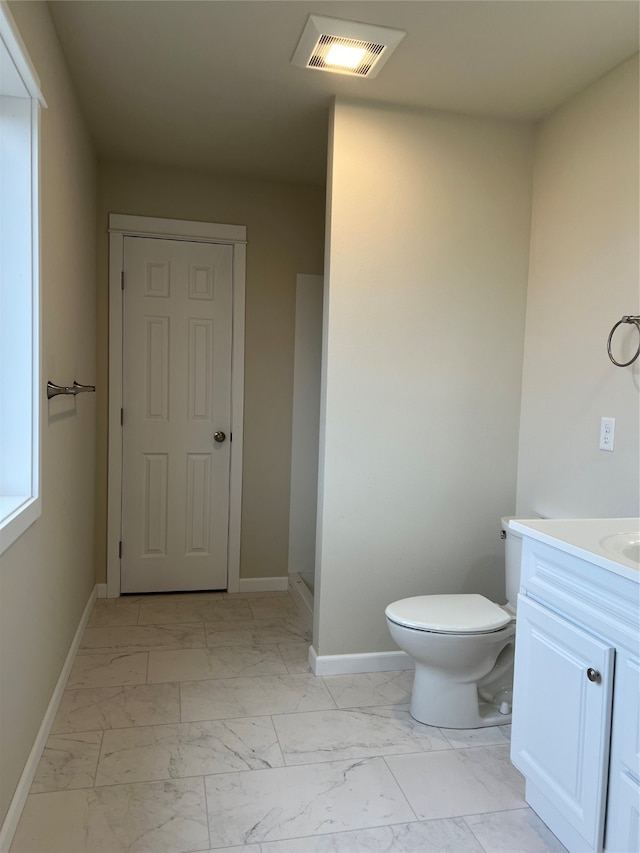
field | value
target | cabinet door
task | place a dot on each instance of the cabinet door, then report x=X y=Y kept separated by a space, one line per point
x=623 y=804
x=626 y=716
x=623 y=817
x=561 y=719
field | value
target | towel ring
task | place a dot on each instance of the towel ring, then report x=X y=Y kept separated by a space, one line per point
x=635 y=320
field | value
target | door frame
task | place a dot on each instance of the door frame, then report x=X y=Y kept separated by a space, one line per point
x=125 y=225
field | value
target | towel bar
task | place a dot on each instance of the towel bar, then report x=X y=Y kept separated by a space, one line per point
x=54 y=390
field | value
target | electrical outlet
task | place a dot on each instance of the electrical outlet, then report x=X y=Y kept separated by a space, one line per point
x=607 y=433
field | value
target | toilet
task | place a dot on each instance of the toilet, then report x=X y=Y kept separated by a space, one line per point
x=463 y=648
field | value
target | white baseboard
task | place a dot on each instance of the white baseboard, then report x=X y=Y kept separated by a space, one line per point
x=353 y=664
x=101 y=590
x=263 y=584
x=302 y=596
x=8 y=829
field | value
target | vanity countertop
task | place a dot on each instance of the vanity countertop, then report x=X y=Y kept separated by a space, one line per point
x=611 y=543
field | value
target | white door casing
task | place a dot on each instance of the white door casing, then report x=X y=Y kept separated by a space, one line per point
x=163 y=509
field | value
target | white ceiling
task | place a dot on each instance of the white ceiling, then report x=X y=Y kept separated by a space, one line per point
x=210 y=85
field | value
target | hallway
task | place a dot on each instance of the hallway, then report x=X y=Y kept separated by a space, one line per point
x=192 y=723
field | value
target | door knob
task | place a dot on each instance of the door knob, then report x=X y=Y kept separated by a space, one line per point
x=219 y=436
x=593 y=674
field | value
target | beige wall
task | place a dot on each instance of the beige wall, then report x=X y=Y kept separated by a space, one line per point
x=583 y=277
x=285 y=232
x=47 y=576
x=427 y=255
x=305 y=425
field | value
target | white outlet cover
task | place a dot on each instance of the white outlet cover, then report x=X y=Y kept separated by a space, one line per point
x=607 y=433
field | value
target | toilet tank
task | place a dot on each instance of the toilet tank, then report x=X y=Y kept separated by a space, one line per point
x=512 y=557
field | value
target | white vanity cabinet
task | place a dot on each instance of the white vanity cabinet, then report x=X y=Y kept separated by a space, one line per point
x=623 y=814
x=576 y=711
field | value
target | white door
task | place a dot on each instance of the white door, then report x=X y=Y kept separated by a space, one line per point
x=561 y=715
x=177 y=306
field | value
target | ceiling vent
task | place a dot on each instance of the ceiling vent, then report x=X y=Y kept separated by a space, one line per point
x=345 y=47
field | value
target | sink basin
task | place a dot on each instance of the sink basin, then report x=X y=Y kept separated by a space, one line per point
x=623 y=545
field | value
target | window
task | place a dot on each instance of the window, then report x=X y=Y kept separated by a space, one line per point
x=20 y=101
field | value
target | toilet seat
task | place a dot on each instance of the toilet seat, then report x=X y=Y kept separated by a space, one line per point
x=449 y=614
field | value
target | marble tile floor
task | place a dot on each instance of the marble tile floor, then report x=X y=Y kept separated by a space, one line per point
x=192 y=723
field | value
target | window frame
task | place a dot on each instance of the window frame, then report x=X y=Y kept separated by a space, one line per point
x=19 y=512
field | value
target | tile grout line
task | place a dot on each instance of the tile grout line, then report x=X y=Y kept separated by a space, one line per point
x=120 y=689
x=275 y=731
x=366 y=829
x=328 y=689
x=206 y=809
x=95 y=774
x=400 y=788
x=283 y=766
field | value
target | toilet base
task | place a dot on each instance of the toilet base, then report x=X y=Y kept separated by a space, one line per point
x=447 y=705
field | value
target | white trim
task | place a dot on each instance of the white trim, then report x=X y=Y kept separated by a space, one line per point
x=263 y=584
x=121 y=225
x=237 y=418
x=19 y=54
x=36 y=305
x=302 y=596
x=8 y=829
x=353 y=664
x=176 y=229
x=114 y=480
x=29 y=510
x=20 y=520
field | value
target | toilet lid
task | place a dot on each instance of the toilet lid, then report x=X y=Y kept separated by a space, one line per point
x=448 y=614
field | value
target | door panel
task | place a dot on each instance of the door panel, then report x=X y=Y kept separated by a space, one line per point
x=176 y=394
x=561 y=718
x=623 y=808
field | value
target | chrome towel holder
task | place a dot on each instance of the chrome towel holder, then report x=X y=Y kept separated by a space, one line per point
x=54 y=390
x=628 y=318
